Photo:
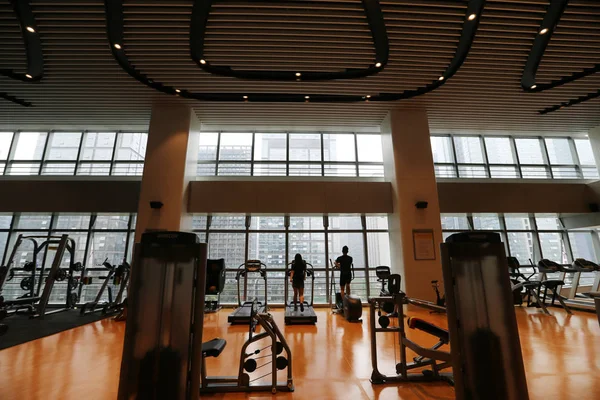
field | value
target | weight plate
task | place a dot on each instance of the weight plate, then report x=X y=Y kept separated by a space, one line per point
x=384 y=321
x=281 y=362
x=278 y=347
x=250 y=365
x=27 y=283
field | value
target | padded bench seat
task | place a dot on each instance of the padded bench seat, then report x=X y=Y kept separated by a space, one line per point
x=213 y=348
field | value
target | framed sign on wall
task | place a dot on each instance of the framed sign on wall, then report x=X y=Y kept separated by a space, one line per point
x=423 y=244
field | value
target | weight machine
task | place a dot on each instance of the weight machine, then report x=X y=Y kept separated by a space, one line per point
x=118 y=276
x=35 y=301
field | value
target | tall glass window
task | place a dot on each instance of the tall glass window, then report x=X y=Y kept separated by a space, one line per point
x=513 y=157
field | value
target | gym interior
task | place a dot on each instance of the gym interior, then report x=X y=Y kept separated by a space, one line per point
x=324 y=199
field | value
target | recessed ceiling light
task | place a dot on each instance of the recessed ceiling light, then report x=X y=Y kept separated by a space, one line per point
x=472 y=17
x=307 y=97
x=298 y=74
x=117 y=46
x=368 y=96
x=203 y=61
x=543 y=31
x=441 y=78
x=177 y=91
x=377 y=65
x=245 y=97
x=533 y=86
x=30 y=29
x=28 y=76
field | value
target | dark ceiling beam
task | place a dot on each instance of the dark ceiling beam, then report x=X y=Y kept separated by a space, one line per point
x=554 y=13
x=116 y=38
x=199 y=20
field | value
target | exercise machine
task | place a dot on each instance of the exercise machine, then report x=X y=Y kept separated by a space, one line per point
x=523 y=286
x=579 y=296
x=487 y=362
x=35 y=301
x=546 y=266
x=215 y=283
x=250 y=359
x=163 y=353
x=241 y=315
x=350 y=306
x=433 y=358
x=118 y=276
x=383 y=273
x=439 y=299
x=295 y=315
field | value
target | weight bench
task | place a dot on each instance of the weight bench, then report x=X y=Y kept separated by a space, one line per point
x=434 y=330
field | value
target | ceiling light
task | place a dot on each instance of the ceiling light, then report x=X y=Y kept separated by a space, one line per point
x=245 y=97
x=307 y=97
x=533 y=87
x=117 y=46
x=203 y=61
x=368 y=96
x=441 y=78
x=298 y=74
x=543 y=31
x=377 y=65
x=177 y=91
x=28 y=76
x=472 y=17
x=30 y=29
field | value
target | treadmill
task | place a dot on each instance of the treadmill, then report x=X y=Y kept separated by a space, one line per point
x=242 y=314
x=307 y=316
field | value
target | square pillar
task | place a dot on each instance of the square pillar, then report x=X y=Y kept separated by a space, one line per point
x=594 y=136
x=170 y=164
x=408 y=165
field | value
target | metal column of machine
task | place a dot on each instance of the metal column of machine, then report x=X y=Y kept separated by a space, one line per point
x=162 y=353
x=486 y=353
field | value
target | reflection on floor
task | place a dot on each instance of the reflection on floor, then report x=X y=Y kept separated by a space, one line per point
x=331 y=360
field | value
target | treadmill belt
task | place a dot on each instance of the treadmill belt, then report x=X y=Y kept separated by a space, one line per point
x=293 y=316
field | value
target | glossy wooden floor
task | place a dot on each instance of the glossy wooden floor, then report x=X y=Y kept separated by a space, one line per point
x=331 y=360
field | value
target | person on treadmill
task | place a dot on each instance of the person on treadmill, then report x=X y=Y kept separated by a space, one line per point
x=297 y=276
x=344 y=263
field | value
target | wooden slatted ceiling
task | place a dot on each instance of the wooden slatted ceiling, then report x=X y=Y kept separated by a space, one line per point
x=84 y=86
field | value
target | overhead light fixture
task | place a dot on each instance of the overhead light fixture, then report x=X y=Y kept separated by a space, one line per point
x=307 y=97
x=368 y=96
x=377 y=65
x=472 y=17
x=543 y=31
x=30 y=29
x=117 y=46
x=203 y=61
x=177 y=91
x=533 y=86
x=298 y=74
x=28 y=76
x=441 y=78
x=245 y=97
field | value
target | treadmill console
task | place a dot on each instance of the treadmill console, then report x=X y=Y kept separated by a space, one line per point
x=253 y=265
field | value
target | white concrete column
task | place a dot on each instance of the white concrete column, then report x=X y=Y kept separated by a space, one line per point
x=170 y=164
x=409 y=167
x=594 y=136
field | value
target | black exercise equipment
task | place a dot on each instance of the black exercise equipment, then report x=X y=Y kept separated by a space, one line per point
x=383 y=273
x=249 y=360
x=35 y=301
x=523 y=286
x=350 y=305
x=433 y=358
x=487 y=362
x=439 y=299
x=241 y=315
x=295 y=315
x=118 y=276
x=546 y=266
x=215 y=282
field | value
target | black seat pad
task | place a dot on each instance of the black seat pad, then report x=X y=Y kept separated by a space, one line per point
x=532 y=284
x=553 y=283
x=213 y=348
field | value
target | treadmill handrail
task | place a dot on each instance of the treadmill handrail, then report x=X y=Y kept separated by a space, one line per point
x=243 y=271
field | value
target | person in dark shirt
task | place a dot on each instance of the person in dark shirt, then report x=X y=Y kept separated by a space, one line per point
x=344 y=263
x=297 y=276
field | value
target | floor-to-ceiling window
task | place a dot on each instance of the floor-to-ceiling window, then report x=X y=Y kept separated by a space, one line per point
x=276 y=239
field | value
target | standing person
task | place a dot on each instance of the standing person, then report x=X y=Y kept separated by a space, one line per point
x=344 y=263
x=297 y=276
